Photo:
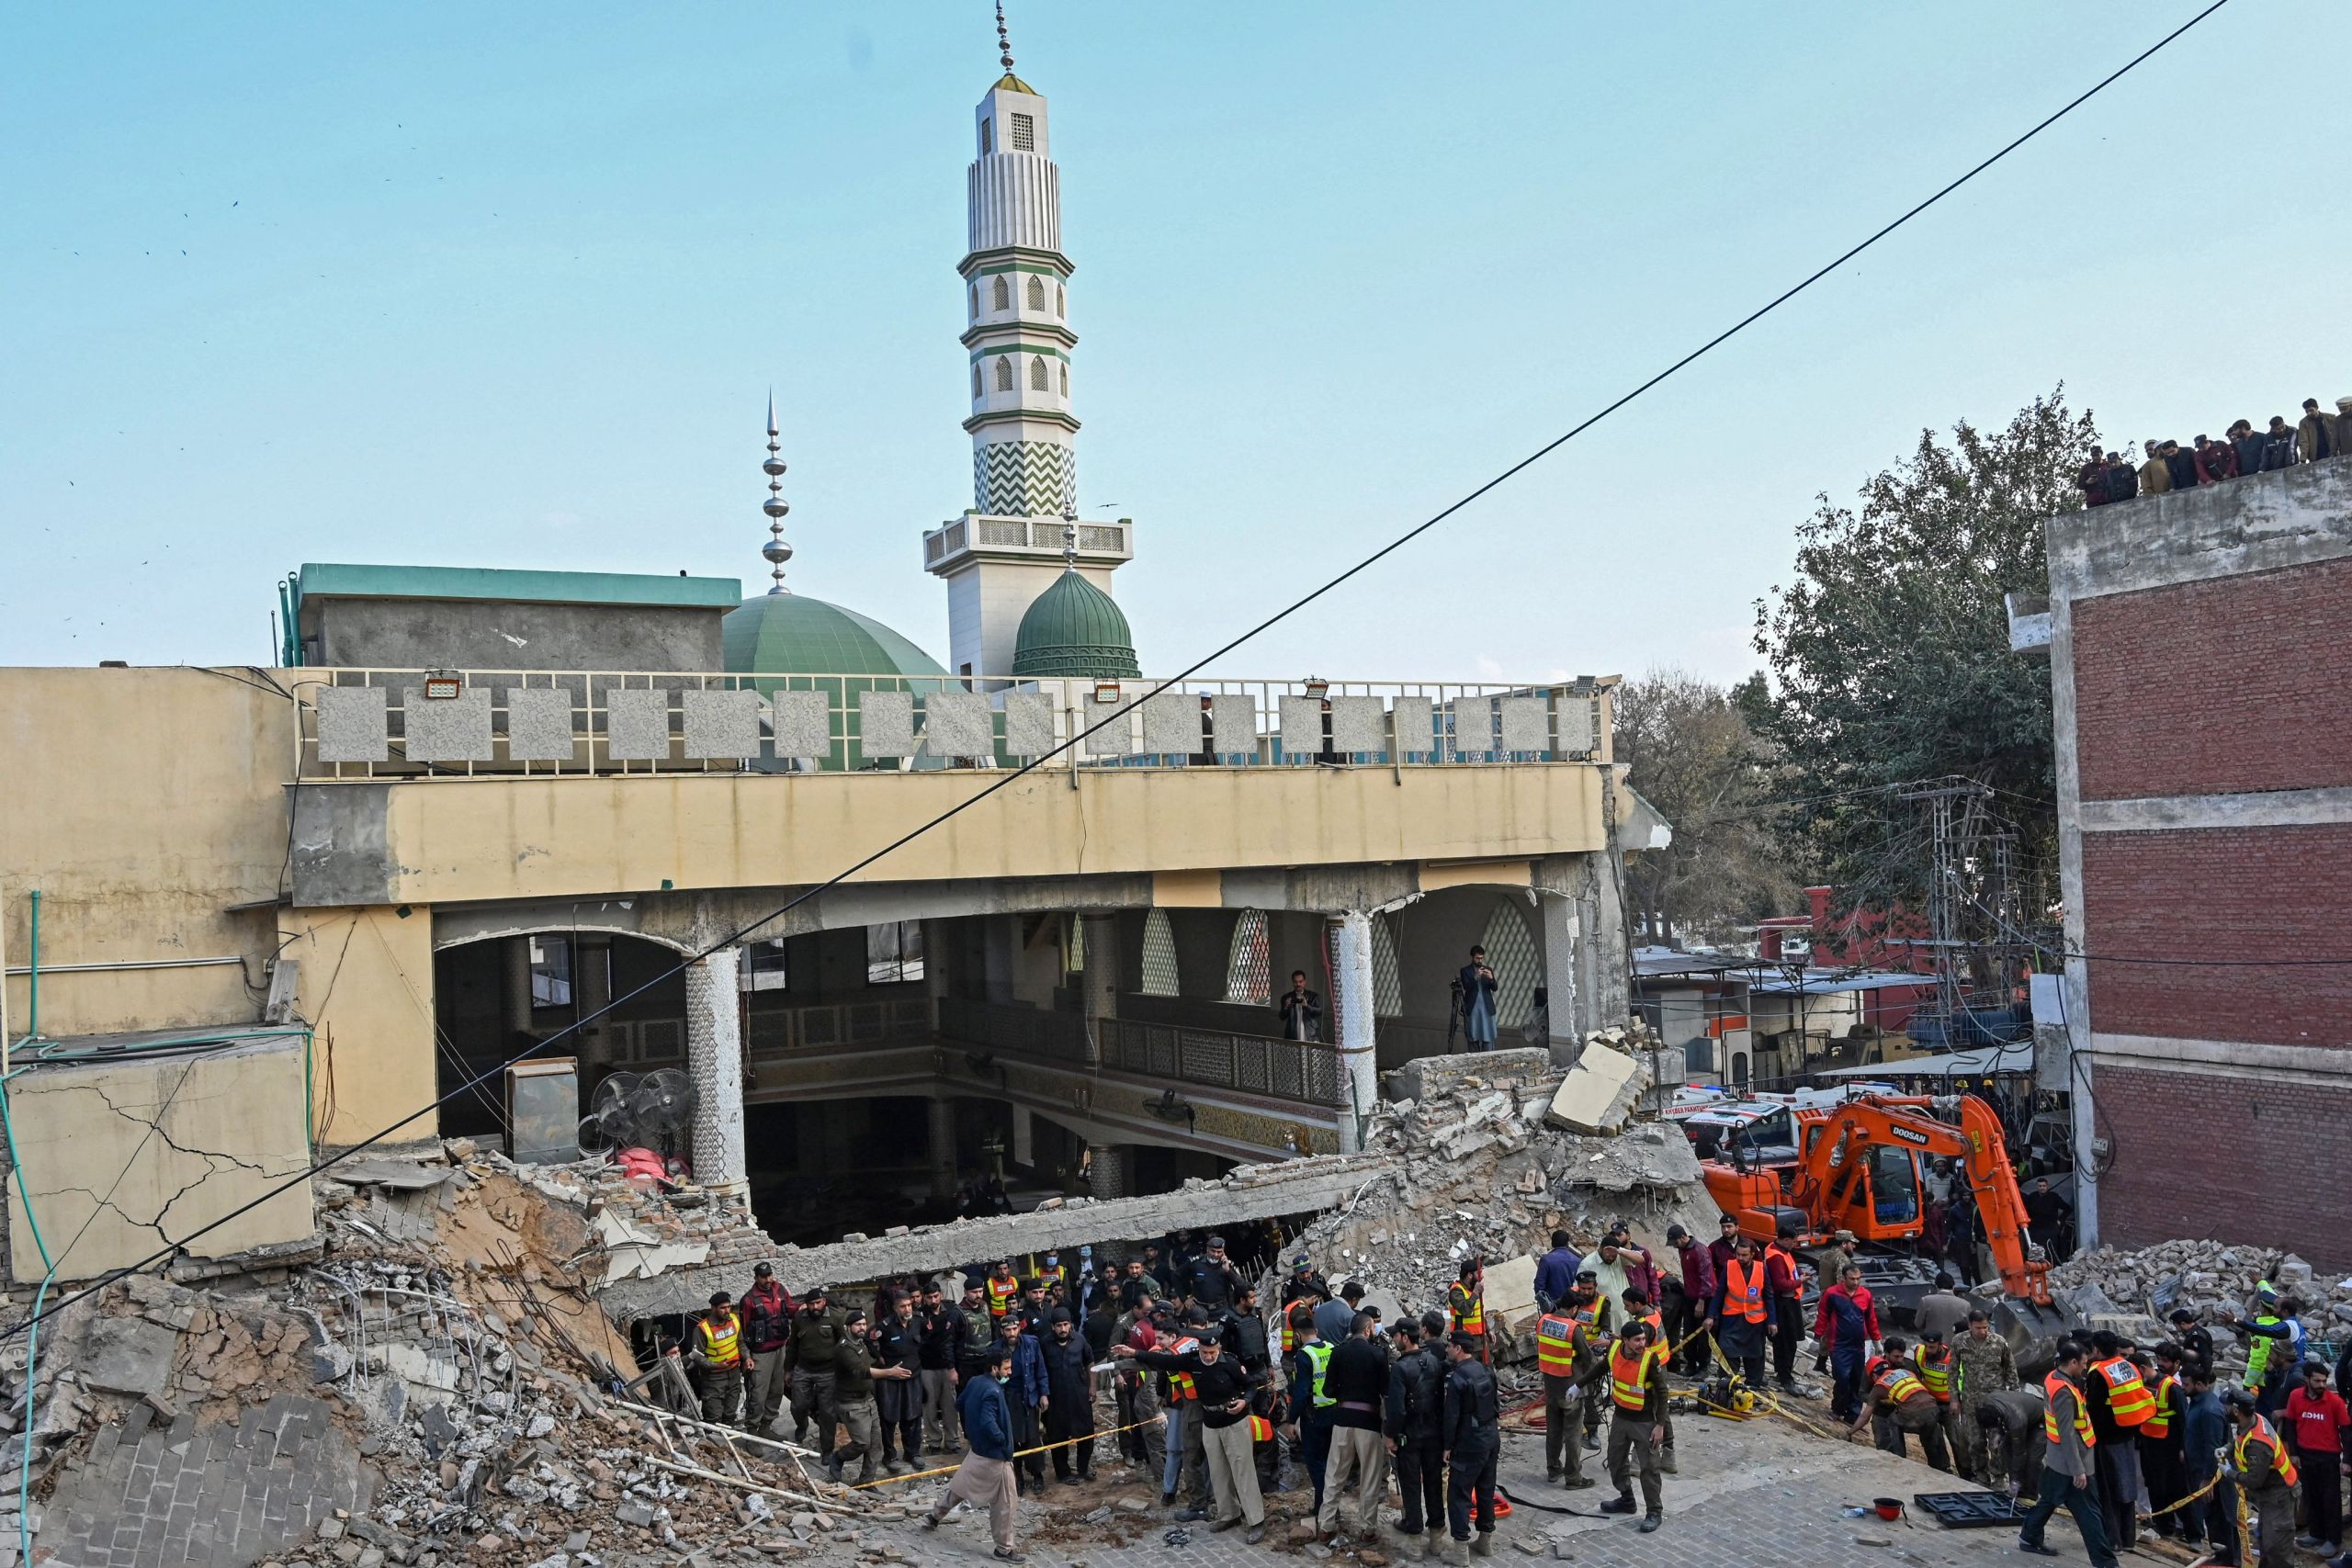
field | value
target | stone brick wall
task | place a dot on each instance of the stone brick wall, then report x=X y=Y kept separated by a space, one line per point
x=2244 y=1157
x=2232 y=896
x=2219 y=686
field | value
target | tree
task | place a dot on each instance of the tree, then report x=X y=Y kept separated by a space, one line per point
x=1890 y=654
x=1689 y=752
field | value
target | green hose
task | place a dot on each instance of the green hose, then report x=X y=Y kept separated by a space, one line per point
x=32 y=1332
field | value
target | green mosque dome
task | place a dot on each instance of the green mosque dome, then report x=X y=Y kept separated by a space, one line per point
x=791 y=634
x=1075 y=631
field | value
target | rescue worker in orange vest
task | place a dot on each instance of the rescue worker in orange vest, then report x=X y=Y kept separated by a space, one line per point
x=716 y=1356
x=1637 y=1394
x=1004 y=1291
x=1640 y=1309
x=1788 y=1302
x=2265 y=1475
x=1743 y=1315
x=1931 y=1359
x=2067 y=1462
x=1896 y=1401
x=2119 y=1404
x=1567 y=1355
x=1466 y=1307
x=1593 y=1316
x=1304 y=1285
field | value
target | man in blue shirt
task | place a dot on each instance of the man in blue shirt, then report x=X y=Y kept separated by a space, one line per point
x=984 y=1478
x=1025 y=1393
x=1555 y=1272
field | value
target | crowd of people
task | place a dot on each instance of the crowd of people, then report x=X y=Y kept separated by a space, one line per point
x=1216 y=1398
x=2168 y=466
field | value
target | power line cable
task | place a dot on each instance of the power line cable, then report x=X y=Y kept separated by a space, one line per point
x=1291 y=609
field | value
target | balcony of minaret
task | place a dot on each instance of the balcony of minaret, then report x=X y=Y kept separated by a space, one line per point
x=1039 y=539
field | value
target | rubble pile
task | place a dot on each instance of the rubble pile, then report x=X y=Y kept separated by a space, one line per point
x=1477 y=1162
x=2211 y=1279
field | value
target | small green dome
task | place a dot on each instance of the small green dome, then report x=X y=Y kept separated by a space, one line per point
x=1074 y=630
x=790 y=634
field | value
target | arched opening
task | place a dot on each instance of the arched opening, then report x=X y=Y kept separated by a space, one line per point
x=1037 y=373
x=1159 y=973
x=1064 y=380
x=1387 y=987
x=1036 y=294
x=1248 y=964
x=1000 y=293
x=1061 y=300
x=975 y=377
x=1510 y=953
x=1003 y=374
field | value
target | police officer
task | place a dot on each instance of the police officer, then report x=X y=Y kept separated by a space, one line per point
x=2265 y=1472
x=1473 y=1437
x=1984 y=1366
x=1637 y=1393
x=818 y=1329
x=852 y=1398
x=1416 y=1403
x=718 y=1358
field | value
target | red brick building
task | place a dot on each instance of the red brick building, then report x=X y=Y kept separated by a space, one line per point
x=2201 y=652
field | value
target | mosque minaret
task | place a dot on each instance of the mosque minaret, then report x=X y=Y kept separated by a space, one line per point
x=1013 y=545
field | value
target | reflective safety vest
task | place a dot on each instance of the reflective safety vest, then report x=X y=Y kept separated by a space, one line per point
x=1468 y=1310
x=1656 y=1320
x=1180 y=1384
x=1629 y=1378
x=721 y=1341
x=1743 y=1289
x=2159 y=1422
x=1001 y=1293
x=1774 y=1249
x=2052 y=1387
x=1319 y=1356
x=1260 y=1429
x=2257 y=1354
x=1290 y=1335
x=1934 y=1371
x=2128 y=1399
x=1051 y=1277
x=2260 y=1436
x=1897 y=1380
x=1556 y=1345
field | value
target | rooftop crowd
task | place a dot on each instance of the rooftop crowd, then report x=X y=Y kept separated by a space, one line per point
x=2111 y=477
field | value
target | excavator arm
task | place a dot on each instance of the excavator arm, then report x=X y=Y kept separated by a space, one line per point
x=1975 y=1143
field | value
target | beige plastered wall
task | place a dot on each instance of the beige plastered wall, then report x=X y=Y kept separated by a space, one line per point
x=121 y=1158
x=366 y=986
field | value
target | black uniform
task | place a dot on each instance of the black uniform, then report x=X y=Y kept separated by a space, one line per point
x=898 y=1400
x=1416 y=1406
x=1473 y=1440
x=1069 y=1412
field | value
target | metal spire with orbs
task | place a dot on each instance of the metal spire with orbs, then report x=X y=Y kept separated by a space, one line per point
x=776 y=551
x=1004 y=38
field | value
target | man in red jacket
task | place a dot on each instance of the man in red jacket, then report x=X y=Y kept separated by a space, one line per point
x=1687 y=1312
x=1846 y=1324
x=767 y=1325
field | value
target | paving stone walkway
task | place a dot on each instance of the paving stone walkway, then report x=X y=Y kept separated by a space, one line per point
x=226 y=1495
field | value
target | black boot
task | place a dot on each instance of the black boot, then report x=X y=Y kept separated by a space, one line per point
x=1620 y=1503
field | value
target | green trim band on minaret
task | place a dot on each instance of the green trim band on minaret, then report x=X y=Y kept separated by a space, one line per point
x=1075 y=631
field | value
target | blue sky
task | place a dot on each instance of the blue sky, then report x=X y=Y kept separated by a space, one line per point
x=508 y=286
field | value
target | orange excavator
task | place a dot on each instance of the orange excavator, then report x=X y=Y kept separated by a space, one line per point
x=1855 y=1167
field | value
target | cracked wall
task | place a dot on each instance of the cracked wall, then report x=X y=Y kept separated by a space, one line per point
x=122 y=1158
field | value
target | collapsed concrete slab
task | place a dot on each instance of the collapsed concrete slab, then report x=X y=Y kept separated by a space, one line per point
x=1598 y=1092
x=1251 y=1193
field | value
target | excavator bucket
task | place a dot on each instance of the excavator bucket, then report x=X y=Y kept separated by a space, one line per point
x=2033 y=1329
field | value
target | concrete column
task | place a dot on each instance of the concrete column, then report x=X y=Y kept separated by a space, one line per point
x=1099 y=985
x=518 y=988
x=1359 y=1061
x=1000 y=936
x=715 y=1059
x=591 y=988
x=942 y=1151
x=1107 y=1163
x=1567 y=992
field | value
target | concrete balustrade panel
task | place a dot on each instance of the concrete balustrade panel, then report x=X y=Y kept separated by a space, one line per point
x=1415 y=722
x=1358 y=725
x=353 y=727
x=1574 y=724
x=539 y=725
x=1233 y=720
x=722 y=725
x=885 y=724
x=1115 y=739
x=447 y=729
x=1527 y=725
x=1172 y=724
x=956 y=723
x=802 y=724
x=637 y=725
x=1302 y=726
x=1028 y=724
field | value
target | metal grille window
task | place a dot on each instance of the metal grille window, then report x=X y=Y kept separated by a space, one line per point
x=1025 y=133
x=1061 y=300
x=763 y=965
x=1248 y=967
x=1003 y=374
x=893 y=952
x=1037 y=373
x=1000 y=293
x=1510 y=953
x=1387 y=991
x=1064 y=380
x=1074 y=950
x=975 y=377
x=1159 y=957
x=1036 y=293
